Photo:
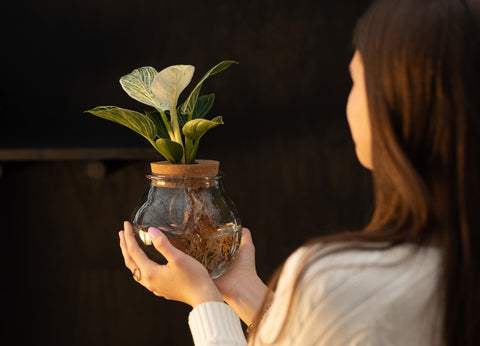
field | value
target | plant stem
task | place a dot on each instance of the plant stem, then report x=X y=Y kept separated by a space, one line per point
x=175 y=126
x=176 y=131
x=193 y=153
x=152 y=142
x=188 y=151
x=166 y=123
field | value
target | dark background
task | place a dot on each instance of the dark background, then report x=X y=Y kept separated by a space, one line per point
x=285 y=148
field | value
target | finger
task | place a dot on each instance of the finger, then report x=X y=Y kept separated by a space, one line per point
x=246 y=239
x=163 y=245
x=246 y=236
x=247 y=249
x=129 y=262
x=134 y=251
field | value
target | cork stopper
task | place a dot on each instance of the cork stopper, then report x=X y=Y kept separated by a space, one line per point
x=201 y=168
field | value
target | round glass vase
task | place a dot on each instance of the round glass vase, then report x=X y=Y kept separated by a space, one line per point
x=189 y=205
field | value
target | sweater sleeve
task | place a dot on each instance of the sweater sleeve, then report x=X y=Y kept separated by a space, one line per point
x=215 y=323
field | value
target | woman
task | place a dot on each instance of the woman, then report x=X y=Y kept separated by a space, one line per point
x=412 y=276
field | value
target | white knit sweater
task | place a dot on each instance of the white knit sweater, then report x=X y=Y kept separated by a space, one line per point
x=353 y=297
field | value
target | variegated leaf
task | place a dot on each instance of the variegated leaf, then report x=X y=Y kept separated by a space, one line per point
x=196 y=128
x=137 y=85
x=155 y=116
x=189 y=105
x=131 y=119
x=169 y=83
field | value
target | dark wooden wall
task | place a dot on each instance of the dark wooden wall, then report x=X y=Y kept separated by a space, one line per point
x=285 y=148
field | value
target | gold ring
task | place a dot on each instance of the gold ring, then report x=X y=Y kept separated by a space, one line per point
x=137 y=274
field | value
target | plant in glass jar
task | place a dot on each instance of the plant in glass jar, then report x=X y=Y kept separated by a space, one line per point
x=186 y=199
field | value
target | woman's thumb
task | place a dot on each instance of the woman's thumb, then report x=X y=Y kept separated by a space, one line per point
x=162 y=244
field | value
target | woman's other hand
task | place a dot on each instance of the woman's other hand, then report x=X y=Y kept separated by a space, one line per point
x=240 y=285
x=182 y=279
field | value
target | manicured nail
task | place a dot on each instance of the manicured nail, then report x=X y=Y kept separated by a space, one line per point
x=153 y=232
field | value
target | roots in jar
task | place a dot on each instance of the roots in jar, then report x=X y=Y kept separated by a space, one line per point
x=201 y=237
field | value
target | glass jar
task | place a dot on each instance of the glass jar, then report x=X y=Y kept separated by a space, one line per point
x=195 y=213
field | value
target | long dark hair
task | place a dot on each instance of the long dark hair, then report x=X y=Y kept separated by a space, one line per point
x=422 y=72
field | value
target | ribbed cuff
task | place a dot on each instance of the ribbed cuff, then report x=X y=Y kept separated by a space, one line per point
x=215 y=323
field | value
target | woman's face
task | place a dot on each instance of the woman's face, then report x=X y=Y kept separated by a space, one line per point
x=357 y=113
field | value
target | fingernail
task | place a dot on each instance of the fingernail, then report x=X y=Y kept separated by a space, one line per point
x=153 y=232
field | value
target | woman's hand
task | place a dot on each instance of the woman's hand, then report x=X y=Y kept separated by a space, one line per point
x=242 y=269
x=240 y=286
x=183 y=278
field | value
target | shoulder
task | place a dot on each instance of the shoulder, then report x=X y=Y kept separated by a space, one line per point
x=346 y=257
x=340 y=266
x=332 y=287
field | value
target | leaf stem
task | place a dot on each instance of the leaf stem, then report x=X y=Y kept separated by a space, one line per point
x=188 y=150
x=175 y=126
x=193 y=153
x=166 y=123
x=152 y=142
x=177 y=135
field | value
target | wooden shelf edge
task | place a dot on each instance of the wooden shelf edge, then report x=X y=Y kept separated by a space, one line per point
x=75 y=154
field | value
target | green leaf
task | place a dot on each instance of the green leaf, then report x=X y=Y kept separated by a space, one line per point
x=182 y=117
x=137 y=85
x=155 y=116
x=189 y=105
x=131 y=119
x=171 y=150
x=203 y=106
x=196 y=128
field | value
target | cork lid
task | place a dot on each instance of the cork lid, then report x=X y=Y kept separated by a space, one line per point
x=201 y=168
